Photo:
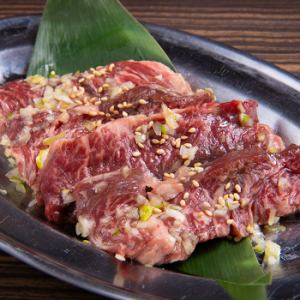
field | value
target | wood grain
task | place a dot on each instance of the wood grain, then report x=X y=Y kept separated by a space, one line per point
x=21 y=282
x=269 y=30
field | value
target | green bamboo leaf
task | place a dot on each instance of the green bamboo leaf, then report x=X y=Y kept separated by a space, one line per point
x=76 y=35
x=244 y=292
x=226 y=261
x=79 y=34
x=233 y=265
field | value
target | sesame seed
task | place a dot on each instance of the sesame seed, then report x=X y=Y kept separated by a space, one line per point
x=184 y=137
x=160 y=152
x=226 y=196
x=177 y=143
x=183 y=178
x=186 y=195
x=104 y=98
x=120 y=105
x=206 y=205
x=124 y=114
x=199 y=169
x=227 y=186
x=231 y=196
x=93 y=113
x=221 y=201
x=156 y=210
x=110 y=67
x=81 y=80
x=238 y=188
x=198 y=164
x=143 y=102
x=187 y=162
x=155 y=141
x=98 y=102
x=236 y=196
x=101 y=113
x=78 y=102
x=192 y=173
x=173 y=142
x=108 y=115
x=200 y=214
x=236 y=204
x=141 y=145
x=169 y=175
x=112 y=108
x=129 y=105
x=188 y=145
x=100 y=89
x=195 y=183
x=165 y=136
x=249 y=228
x=162 y=141
x=136 y=153
x=230 y=221
x=182 y=202
x=208 y=212
x=192 y=130
x=184 y=157
x=150 y=124
x=116 y=112
x=120 y=257
x=244 y=202
x=105 y=86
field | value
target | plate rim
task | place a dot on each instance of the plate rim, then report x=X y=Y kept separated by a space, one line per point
x=13 y=248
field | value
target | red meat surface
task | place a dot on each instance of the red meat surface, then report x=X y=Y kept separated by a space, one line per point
x=113 y=145
x=267 y=186
x=144 y=165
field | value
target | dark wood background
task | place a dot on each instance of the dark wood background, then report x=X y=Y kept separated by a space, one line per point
x=268 y=29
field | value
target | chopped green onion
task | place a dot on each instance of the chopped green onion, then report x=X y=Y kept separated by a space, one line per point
x=10 y=116
x=272 y=150
x=145 y=212
x=52 y=74
x=245 y=120
x=163 y=129
x=41 y=158
x=50 y=140
x=20 y=186
x=116 y=232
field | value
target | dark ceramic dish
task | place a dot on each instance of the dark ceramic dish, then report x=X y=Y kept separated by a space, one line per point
x=232 y=74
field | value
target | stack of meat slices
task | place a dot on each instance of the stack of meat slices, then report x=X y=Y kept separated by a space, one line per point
x=146 y=167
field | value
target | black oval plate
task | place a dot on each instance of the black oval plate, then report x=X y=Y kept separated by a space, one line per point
x=233 y=75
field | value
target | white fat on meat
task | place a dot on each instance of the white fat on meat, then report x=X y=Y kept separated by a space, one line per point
x=84 y=226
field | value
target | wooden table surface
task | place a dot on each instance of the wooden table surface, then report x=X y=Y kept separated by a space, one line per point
x=268 y=29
